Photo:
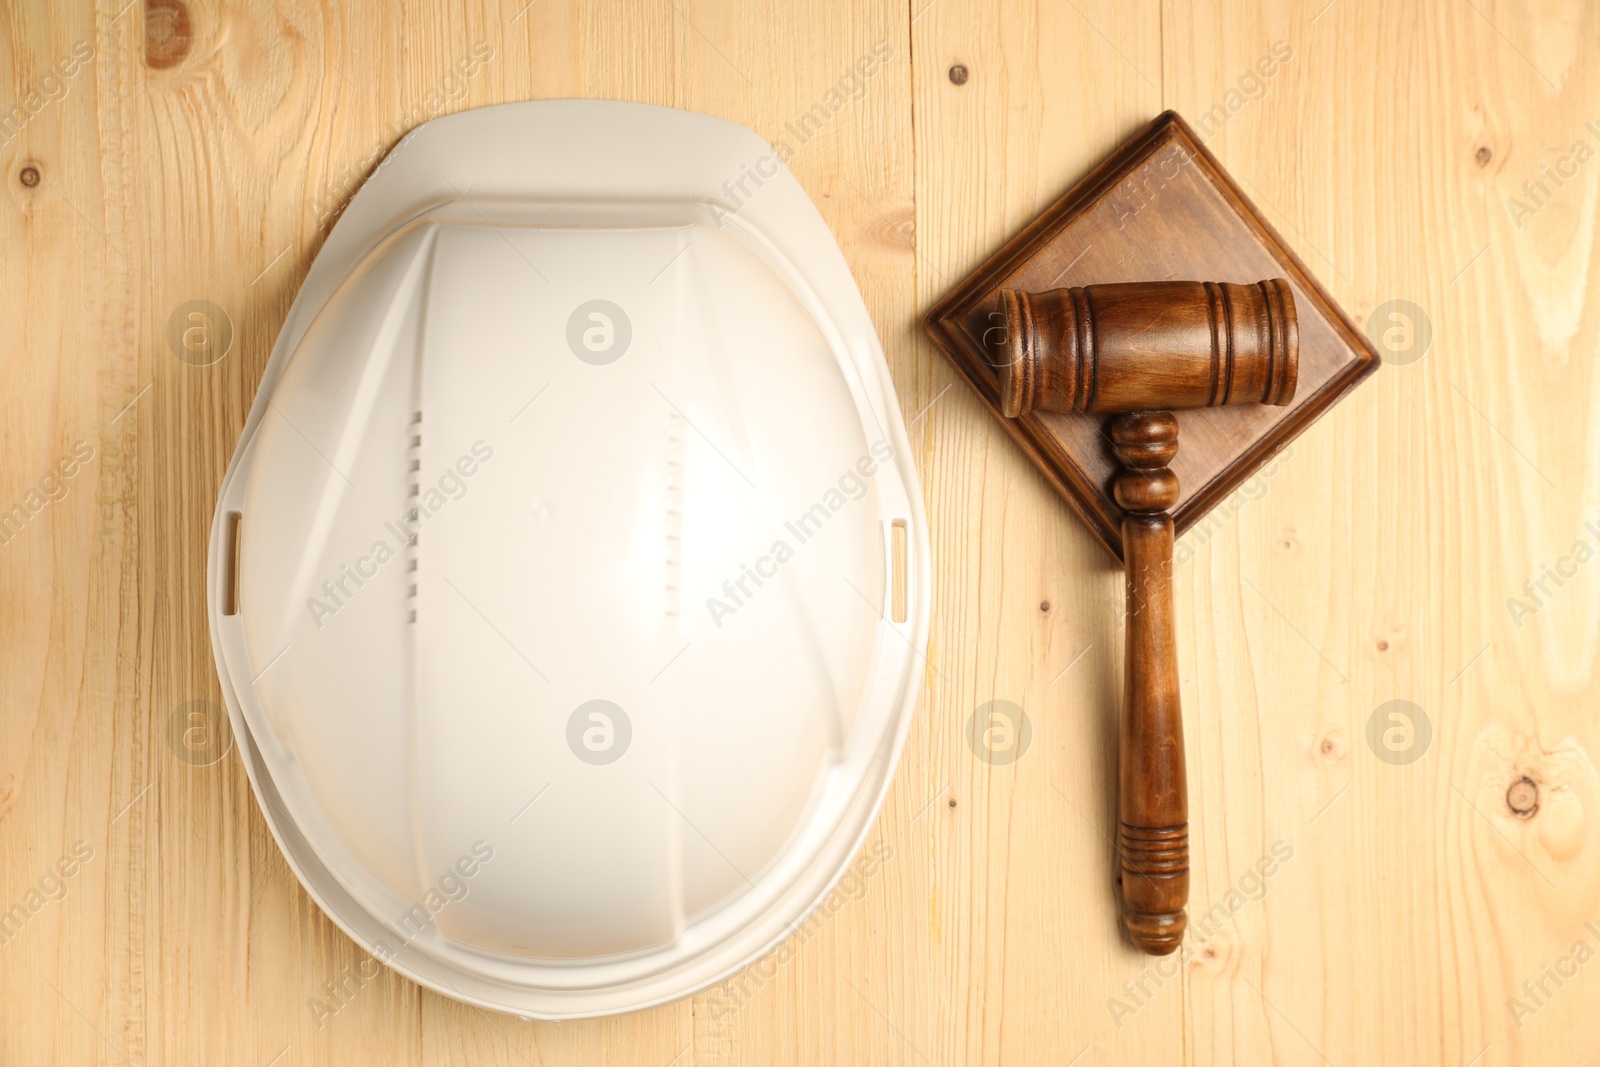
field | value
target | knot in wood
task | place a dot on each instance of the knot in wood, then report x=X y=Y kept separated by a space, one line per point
x=1523 y=798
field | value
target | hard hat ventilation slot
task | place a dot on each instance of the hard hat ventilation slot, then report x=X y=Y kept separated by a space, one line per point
x=413 y=513
x=672 y=524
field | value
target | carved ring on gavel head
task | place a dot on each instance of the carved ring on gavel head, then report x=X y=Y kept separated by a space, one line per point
x=1140 y=350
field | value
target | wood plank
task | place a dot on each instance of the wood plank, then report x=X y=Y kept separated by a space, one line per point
x=1377 y=566
x=1028 y=948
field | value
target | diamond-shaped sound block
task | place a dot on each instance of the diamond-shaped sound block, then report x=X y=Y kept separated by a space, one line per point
x=1159 y=208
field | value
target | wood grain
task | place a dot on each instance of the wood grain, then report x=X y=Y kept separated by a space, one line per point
x=1346 y=908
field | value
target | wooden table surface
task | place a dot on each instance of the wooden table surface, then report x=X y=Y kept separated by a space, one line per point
x=1430 y=541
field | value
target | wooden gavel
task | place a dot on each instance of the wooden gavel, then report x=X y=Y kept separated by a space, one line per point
x=1140 y=350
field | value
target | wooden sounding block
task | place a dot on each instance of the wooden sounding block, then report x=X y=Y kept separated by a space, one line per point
x=1153 y=288
x=1160 y=208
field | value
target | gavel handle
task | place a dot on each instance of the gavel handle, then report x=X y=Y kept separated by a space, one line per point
x=1153 y=831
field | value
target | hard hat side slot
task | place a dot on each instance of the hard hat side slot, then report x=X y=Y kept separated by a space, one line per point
x=230 y=565
x=897 y=570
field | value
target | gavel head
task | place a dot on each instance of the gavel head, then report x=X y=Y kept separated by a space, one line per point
x=1145 y=346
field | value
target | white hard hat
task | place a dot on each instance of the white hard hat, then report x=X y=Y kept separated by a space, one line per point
x=569 y=587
